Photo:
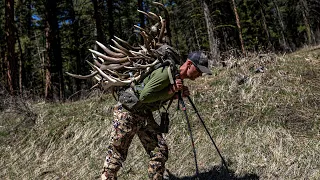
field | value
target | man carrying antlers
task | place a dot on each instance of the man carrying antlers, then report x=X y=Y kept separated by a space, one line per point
x=150 y=72
x=155 y=90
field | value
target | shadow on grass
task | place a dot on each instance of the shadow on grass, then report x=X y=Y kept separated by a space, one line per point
x=218 y=173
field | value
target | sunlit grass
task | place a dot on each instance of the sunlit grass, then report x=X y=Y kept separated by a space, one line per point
x=266 y=125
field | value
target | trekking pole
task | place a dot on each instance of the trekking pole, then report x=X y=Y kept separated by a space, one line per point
x=202 y=122
x=190 y=132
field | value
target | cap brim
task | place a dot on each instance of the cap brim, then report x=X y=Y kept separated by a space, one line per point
x=204 y=69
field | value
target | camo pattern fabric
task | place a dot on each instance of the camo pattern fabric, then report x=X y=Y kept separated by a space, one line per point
x=126 y=125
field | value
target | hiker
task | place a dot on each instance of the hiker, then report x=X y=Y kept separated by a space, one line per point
x=136 y=118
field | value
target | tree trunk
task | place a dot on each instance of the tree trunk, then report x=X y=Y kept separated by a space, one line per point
x=43 y=60
x=20 y=63
x=97 y=16
x=54 y=75
x=196 y=34
x=48 y=89
x=214 y=51
x=11 y=62
x=2 y=64
x=141 y=16
x=305 y=15
x=187 y=42
x=21 y=14
x=317 y=34
x=110 y=19
x=265 y=26
x=239 y=26
x=77 y=49
x=284 y=40
x=175 y=29
x=27 y=70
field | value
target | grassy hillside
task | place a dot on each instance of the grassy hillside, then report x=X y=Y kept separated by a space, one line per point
x=266 y=125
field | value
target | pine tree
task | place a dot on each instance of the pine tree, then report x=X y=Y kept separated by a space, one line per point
x=10 y=59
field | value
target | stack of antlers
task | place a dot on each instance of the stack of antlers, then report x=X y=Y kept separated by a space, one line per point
x=126 y=64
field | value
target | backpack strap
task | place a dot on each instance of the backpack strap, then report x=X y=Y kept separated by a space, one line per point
x=171 y=77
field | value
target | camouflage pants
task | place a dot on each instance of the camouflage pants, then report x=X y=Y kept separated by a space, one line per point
x=126 y=125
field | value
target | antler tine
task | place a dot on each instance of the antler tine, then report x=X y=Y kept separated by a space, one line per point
x=126 y=51
x=144 y=49
x=137 y=78
x=96 y=85
x=144 y=74
x=108 y=67
x=154 y=16
x=109 y=60
x=98 y=78
x=145 y=13
x=141 y=54
x=138 y=27
x=120 y=75
x=127 y=44
x=146 y=66
x=142 y=29
x=117 y=66
x=167 y=22
x=103 y=60
x=117 y=49
x=110 y=78
x=122 y=63
x=154 y=28
x=106 y=84
x=108 y=51
x=81 y=76
x=166 y=13
x=104 y=75
x=132 y=68
x=94 y=57
x=146 y=40
x=97 y=63
x=125 y=81
x=163 y=28
x=154 y=31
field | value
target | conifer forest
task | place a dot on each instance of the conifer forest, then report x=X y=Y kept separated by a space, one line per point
x=42 y=40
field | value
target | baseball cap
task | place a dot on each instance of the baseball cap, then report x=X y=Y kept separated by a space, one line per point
x=200 y=60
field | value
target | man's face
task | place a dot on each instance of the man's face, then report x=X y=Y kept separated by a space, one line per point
x=193 y=72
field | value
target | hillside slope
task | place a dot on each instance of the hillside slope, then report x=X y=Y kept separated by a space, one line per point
x=262 y=111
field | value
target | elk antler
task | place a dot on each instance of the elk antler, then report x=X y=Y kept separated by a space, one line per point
x=124 y=64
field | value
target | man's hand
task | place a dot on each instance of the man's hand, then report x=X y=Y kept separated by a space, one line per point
x=185 y=93
x=178 y=86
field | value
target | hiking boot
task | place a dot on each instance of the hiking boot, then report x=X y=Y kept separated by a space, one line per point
x=166 y=175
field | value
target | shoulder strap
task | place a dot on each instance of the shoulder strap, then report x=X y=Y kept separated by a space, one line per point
x=171 y=77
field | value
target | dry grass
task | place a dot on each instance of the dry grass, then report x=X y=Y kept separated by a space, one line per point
x=265 y=124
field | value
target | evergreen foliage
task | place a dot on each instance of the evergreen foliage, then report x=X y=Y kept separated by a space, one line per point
x=75 y=25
